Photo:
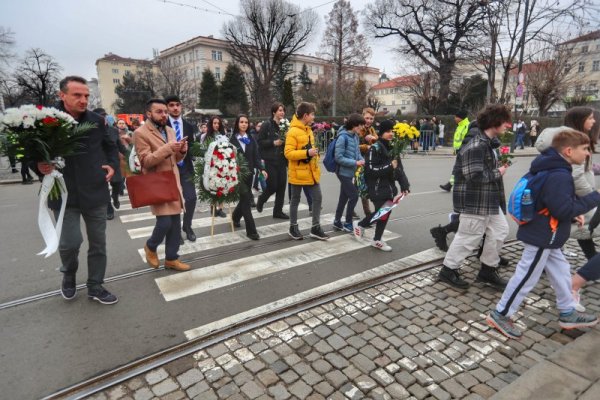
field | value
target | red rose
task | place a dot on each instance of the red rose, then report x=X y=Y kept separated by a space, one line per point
x=231 y=190
x=49 y=121
x=212 y=163
x=39 y=107
x=219 y=193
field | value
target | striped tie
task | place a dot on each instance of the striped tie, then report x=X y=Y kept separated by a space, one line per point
x=178 y=134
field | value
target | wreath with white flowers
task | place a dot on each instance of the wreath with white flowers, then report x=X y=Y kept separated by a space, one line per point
x=219 y=172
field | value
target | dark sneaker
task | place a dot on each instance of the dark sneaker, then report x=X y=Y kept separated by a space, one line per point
x=68 y=288
x=452 y=277
x=116 y=202
x=348 y=227
x=190 y=235
x=102 y=296
x=490 y=276
x=317 y=233
x=338 y=226
x=576 y=320
x=447 y=187
x=110 y=216
x=295 y=233
x=281 y=215
x=439 y=235
x=221 y=213
x=503 y=324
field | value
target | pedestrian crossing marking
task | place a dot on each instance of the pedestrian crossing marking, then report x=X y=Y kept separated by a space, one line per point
x=193 y=282
x=280 y=304
x=146 y=231
x=229 y=238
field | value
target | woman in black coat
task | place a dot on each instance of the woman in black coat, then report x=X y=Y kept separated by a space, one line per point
x=381 y=174
x=248 y=147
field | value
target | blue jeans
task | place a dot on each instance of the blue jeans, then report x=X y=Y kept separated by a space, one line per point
x=167 y=226
x=71 y=239
x=348 y=195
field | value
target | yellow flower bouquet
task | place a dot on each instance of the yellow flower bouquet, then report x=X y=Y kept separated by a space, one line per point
x=403 y=135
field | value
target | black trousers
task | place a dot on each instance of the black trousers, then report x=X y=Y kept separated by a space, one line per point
x=244 y=207
x=189 y=196
x=276 y=182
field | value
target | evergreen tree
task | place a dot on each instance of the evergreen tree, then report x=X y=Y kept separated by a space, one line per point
x=209 y=90
x=281 y=75
x=288 y=95
x=133 y=92
x=234 y=99
x=303 y=77
x=359 y=96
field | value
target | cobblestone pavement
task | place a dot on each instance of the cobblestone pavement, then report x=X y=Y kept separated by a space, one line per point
x=413 y=338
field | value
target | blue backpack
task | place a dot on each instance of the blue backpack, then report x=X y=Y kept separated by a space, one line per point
x=532 y=182
x=329 y=160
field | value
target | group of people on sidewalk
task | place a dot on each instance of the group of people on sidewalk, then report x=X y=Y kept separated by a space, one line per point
x=565 y=193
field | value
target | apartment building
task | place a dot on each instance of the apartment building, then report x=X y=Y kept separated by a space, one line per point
x=110 y=70
x=586 y=54
x=396 y=94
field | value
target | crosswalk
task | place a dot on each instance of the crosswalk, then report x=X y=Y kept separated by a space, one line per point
x=139 y=224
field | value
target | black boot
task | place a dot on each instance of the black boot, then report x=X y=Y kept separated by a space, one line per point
x=490 y=276
x=439 y=235
x=452 y=277
x=588 y=247
x=447 y=187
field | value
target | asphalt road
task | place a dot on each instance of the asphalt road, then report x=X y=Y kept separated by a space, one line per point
x=49 y=344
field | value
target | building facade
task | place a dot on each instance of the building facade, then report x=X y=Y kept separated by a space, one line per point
x=396 y=94
x=110 y=70
x=202 y=52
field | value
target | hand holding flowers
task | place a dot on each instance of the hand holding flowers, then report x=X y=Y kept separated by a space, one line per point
x=505 y=156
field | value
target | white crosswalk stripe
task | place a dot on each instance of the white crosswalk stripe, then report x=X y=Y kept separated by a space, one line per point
x=196 y=281
x=146 y=231
x=239 y=236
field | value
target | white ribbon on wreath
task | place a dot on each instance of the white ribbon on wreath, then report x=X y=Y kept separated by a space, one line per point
x=50 y=232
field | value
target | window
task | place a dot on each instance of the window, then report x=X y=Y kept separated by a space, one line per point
x=127 y=65
x=310 y=69
x=596 y=65
x=116 y=81
x=217 y=55
x=197 y=55
x=581 y=66
x=115 y=70
x=218 y=73
x=185 y=58
x=584 y=49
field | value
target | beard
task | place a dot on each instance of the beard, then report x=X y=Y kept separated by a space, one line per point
x=161 y=123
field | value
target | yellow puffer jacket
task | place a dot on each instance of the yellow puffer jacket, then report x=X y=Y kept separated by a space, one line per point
x=301 y=171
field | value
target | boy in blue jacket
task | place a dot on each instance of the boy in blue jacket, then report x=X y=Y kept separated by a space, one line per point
x=544 y=236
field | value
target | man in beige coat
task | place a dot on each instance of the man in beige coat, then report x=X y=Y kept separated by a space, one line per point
x=159 y=150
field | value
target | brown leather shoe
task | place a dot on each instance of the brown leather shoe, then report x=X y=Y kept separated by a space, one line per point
x=177 y=265
x=151 y=257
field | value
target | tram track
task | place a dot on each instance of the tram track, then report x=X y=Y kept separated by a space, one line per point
x=145 y=271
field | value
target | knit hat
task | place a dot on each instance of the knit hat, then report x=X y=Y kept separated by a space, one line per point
x=462 y=114
x=100 y=111
x=385 y=126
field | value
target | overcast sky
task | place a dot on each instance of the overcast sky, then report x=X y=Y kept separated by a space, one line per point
x=78 y=32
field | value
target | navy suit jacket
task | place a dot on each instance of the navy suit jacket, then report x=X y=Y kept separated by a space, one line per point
x=251 y=152
x=188 y=131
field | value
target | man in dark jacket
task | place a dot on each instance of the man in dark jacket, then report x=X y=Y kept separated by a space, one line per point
x=271 y=145
x=479 y=198
x=116 y=182
x=86 y=176
x=186 y=167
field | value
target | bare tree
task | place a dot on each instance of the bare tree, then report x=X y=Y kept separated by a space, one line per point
x=437 y=32
x=38 y=76
x=7 y=41
x=321 y=94
x=549 y=77
x=175 y=81
x=342 y=45
x=262 y=40
x=425 y=91
x=527 y=21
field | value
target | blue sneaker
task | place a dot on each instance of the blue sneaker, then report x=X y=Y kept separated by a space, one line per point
x=348 y=227
x=337 y=226
x=102 y=296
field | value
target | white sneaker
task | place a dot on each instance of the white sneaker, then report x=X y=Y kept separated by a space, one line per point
x=577 y=297
x=381 y=245
x=358 y=231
